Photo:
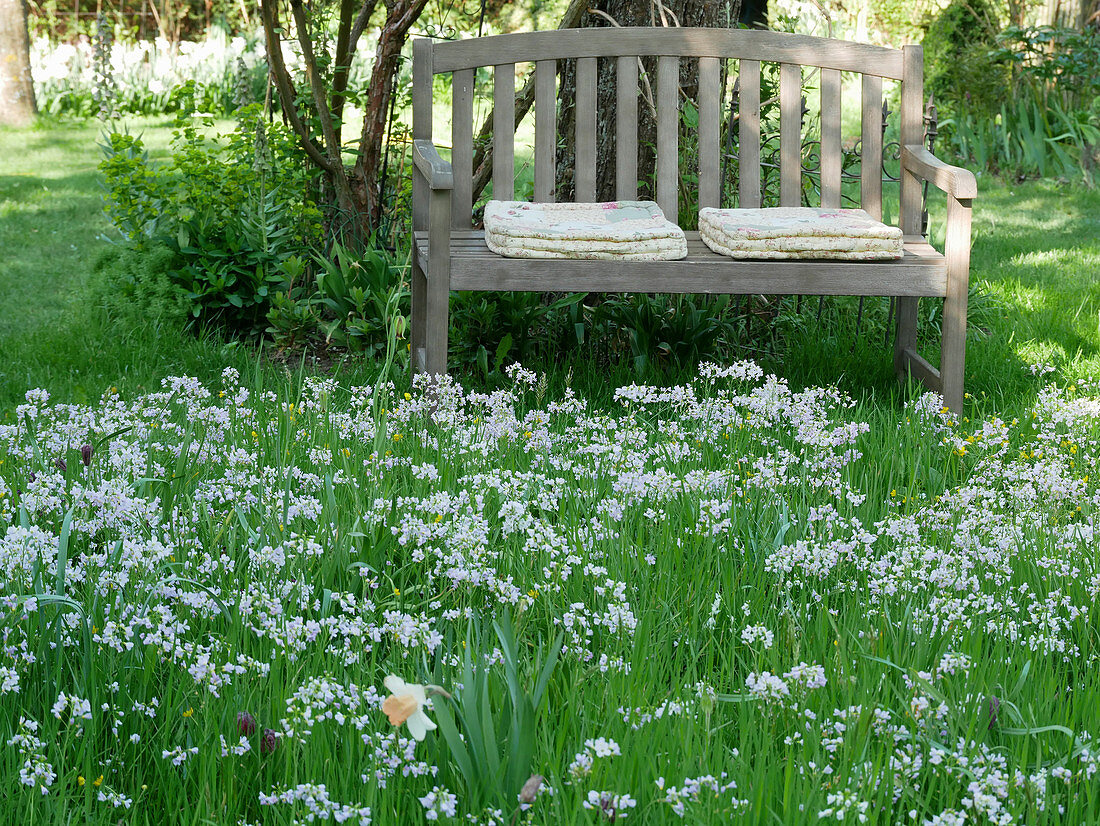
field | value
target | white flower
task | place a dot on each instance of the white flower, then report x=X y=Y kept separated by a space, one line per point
x=406 y=705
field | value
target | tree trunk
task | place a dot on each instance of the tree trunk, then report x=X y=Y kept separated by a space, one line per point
x=17 y=105
x=400 y=16
x=705 y=13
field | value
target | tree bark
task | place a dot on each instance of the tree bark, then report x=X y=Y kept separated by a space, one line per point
x=400 y=16
x=17 y=104
x=704 y=13
x=358 y=190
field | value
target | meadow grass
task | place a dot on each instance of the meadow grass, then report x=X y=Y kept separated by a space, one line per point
x=1035 y=298
x=714 y=599
x=746 y=605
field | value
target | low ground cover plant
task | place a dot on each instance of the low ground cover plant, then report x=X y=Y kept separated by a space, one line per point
x=724 y=601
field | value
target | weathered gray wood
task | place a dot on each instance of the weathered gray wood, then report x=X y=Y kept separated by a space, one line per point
x=772 y=47
x=922 y=370
x=546 y=129
x=584 y=167
x=749 y=131
x=473 y=267
x=668 y=134
x=954 y=180
x=912 y=109
x=912 y=132
x=422 y=123
x=418 y=316
x=626 y=129
x=446 y=260
x=504 y=130
x=831 y=159
x=953 y=347
x=790 y=135
x=462 y=147
x=870 y=165
x=438 y=288
x=427 y=161
x=710 y=98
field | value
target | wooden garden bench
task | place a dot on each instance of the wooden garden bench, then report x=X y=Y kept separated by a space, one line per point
x=450 y=255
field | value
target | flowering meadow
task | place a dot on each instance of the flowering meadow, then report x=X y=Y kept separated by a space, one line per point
x=722 y=602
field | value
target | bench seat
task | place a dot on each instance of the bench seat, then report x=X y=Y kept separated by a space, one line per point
x=920 y=272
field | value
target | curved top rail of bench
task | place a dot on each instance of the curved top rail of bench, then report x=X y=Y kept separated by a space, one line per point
x=749 y=44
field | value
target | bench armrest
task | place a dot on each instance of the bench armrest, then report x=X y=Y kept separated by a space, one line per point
x=436 y=170
x=957 y=182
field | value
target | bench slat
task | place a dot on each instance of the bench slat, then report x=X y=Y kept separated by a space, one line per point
x=831 y=159
x=626 y=129
x=422 y=123
x=749 y=132
x=462 y=148
x=668 y=135
x=546 y=129
x=771 y=47
x=790 y=135
x=504 y=129
x=870 y=165
x=912 y=133
x=710 y=98
x=585 y=160
x=922 y=272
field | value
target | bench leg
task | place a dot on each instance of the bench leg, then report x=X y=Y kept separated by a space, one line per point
x=953 y=347
x=437 y=305
x=418 y=289
x=905 y=340
x=437 y=320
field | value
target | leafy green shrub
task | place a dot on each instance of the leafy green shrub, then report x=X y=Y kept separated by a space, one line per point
x=679 y=330
x=1055 y=62
x=360 y=294
x=232 y=209
x=960 y=66
x=492 y=329
x=1030 y=137
x=140 y=285
x=1051 y=125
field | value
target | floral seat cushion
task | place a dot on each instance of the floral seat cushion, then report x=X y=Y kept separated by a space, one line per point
x=799 y=232
x=628 y=230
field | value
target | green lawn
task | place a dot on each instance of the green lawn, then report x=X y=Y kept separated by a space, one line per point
x=1035 y=295
x=731 y=602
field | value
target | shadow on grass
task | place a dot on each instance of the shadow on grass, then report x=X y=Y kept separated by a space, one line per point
x=1035 y=298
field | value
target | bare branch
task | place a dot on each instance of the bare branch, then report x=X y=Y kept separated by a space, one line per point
x=282 y=83
x=320 y=103
x=400 y=16
x=360 y=24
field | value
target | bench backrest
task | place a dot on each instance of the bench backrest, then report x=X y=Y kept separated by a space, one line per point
x=669 y=46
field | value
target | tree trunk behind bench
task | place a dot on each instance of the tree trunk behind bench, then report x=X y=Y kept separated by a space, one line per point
x=703 y=13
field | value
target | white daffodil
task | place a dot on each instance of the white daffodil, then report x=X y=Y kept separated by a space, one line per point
x=406 y=705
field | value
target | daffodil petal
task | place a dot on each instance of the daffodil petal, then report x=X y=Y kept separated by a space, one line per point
x=417 y=727
x=394 y=684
